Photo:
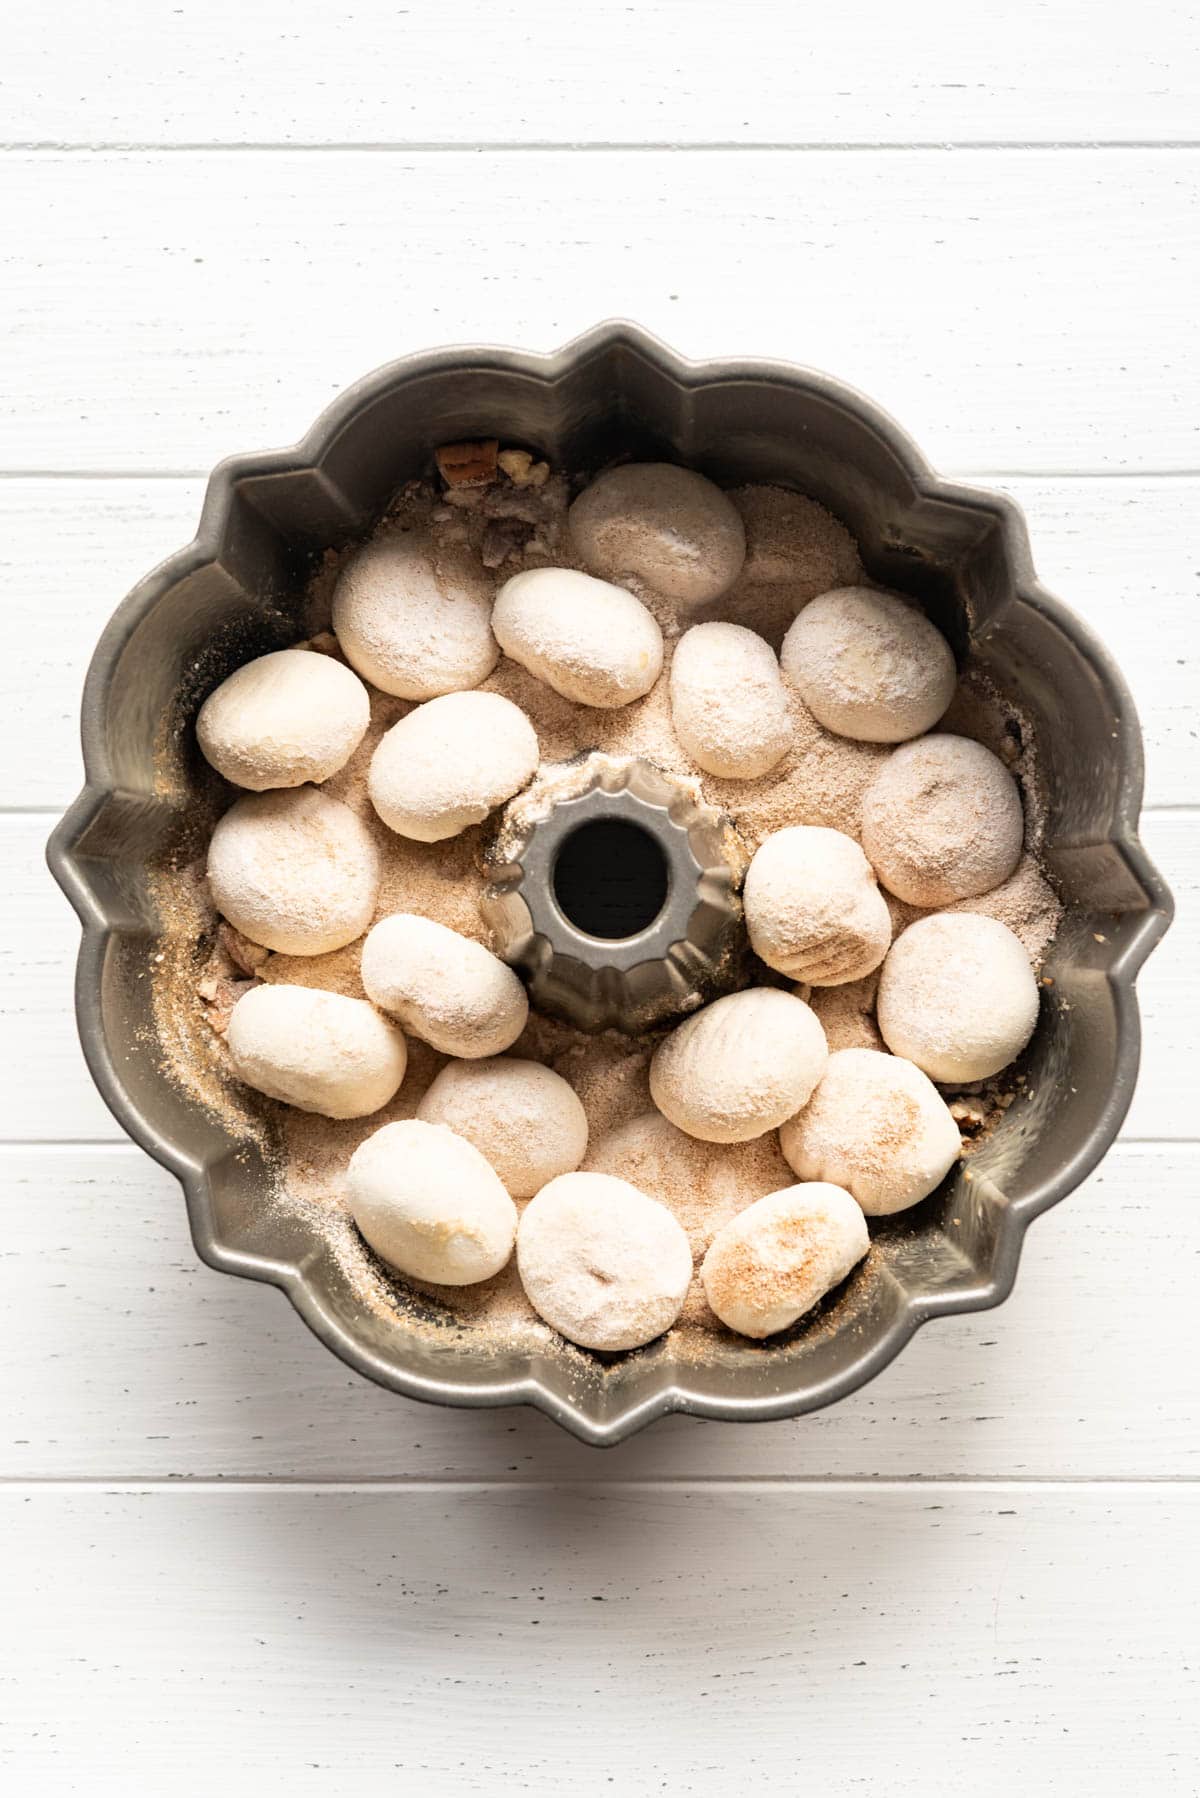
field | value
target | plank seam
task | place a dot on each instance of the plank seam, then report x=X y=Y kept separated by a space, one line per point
x=592 y=146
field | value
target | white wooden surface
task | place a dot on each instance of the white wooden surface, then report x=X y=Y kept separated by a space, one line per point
x=227 y=1562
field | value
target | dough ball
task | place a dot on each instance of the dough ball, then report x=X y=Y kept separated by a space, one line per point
x=739 y=1067
x=868 y=666
x=603 y=1264
x=729 y=706
x=294 y=871
x=592 y=642
x=666 y=526
x=430 y=1205
x=877 y=1126
x=284 y=719
x=957 y=996
x=812 y=907
x=448 y=990
x=942 y=820
x=449 y=762
x=522 y=1116
x=774 y=1260
x=318 y=1051
x=415 y=618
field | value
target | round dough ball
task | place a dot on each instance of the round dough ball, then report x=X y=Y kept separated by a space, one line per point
x=739 y=1067
x=430 y=1205
x=415 y=618
x=666 y=526
x=603 y=1264
x=283 y=719
x=775 y=1259
x=319 y=1051
x=957 y=996
x=449 y=762
x=448 y=990
x=729 y=706
x=592 y=642
x=812 y=907
x=877 y=1126
x=522 y=1116
x=942 y=820
x=295 y=871
x=868 y=666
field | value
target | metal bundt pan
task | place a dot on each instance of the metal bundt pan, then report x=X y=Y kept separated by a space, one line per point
x=239 y=587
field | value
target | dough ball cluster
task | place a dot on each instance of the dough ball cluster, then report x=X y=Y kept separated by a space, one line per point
x=526 y=1119
x=284 y=719
x=704 y=1183
x=774 y=1261
x=415 y=620
x=957 y=996
x=319 y=1051
x=729 y=706
x=589 y=640
x=665 y=526
x=449 y=763
x=740 y=1066
x=869 y=666
x=943 y=821
x=445 y=988
x=813 y=909
x=430 y=1205
x=294 y=870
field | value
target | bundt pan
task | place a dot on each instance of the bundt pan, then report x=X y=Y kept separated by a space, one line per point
x=964 y=553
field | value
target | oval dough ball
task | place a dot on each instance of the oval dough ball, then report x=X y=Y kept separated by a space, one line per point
x=812 y=907
x=603 y=1264
x=592 y=642
x=448 y=990
x=774 y=1260
x=957 y=996
x=414 y=618
x=295 y=871
x=284 y=719
x=430 y=1205
x=942 y=820
x=522 y=1116
x=319 y=1051
x=702 y=1183
x=449 y=763
x=739 y=1067
x=868 y=666
x=877 y=1126
x=666 y=526
x=729 y=706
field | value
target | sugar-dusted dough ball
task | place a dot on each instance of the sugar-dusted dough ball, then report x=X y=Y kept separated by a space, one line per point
x=739 y=1067
x=772 y=1262
x=414 y=618
x=592 y=642
x=868 y=666
x=449 y=762
x=813 y=909
x=283 y=719
x=448 y=990
x=702 y=1183
x=294 y=870
x=524 y=1117
x=877 y=1126
x=942 y=820
x=729 y=706
x=666 y=526
x=430 y=1205
x=602 y=1263
x=319 y=1051
x=957 y=996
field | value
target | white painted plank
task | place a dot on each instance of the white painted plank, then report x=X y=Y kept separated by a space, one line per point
x=660 y=1638
x=499 y=71
x=1024 y=310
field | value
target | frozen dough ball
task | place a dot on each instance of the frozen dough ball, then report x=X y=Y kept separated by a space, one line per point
x=414 y=618
x=319 y=1051
x=284 y=719
x=877 y=1126
x=868 y=666
x=729 y=706
x=739 y=1067
x=772 y=1262
x=602 y=1263
x=666 y=526
x=957 y=996
x=942 y=820
x=448 y=990
x=449 y=763
x=813 y=909
x=522 y=1116
x=294 y=870
x=592 y=642
x=430 y=1205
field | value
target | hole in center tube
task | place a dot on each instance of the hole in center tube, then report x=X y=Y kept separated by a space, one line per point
x=610 y=878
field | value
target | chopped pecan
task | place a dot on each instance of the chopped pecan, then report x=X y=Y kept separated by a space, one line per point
x=468 y=464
